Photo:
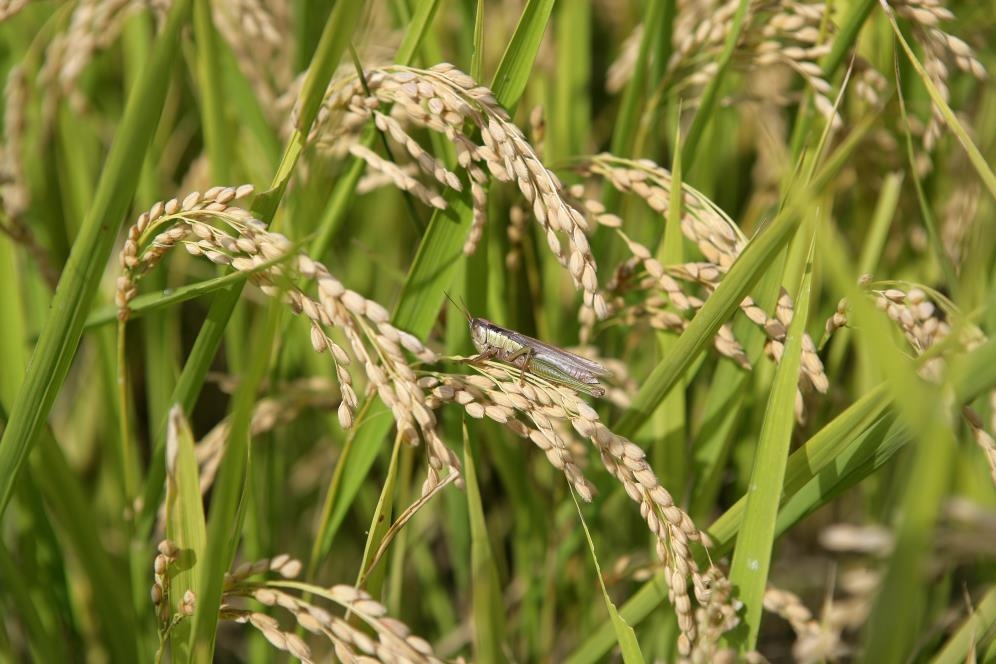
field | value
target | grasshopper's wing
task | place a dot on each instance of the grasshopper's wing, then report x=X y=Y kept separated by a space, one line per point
x=558 y=356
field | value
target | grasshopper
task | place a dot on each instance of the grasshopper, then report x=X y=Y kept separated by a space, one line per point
x=556 y=365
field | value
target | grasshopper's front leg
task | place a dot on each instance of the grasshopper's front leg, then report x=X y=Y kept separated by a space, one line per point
x=489 y=354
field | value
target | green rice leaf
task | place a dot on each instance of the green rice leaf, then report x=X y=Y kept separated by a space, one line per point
x=488 y=603
x=625 y=636
x=752 y=555
x=980 y=163
x=185 y=525
x=517 y=63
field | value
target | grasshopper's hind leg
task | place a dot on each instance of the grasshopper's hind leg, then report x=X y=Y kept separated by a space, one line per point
x=514 y=358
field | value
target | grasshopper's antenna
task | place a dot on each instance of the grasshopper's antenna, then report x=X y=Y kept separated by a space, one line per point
x=462 y=307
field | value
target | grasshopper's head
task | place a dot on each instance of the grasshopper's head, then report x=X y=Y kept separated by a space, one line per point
x=479 y=328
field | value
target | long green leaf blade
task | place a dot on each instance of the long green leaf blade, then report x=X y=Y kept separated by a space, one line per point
x=57 y=345
x=752 y=555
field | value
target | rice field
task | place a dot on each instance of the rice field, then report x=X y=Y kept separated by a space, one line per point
x=736 y=400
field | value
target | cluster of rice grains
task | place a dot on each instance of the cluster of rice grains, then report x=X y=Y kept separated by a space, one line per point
x=789 y=35
x=795 y=35
x=783 y=42
x=445 y=100
x=14 y=191
x=935 y=329
x=817 y=640
x=550 y=415
x=941 y=52
x=256 y=32
x=93 y=26
x=966 y=530
x=642 y=289
x=393 y=640
x=208 y=225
